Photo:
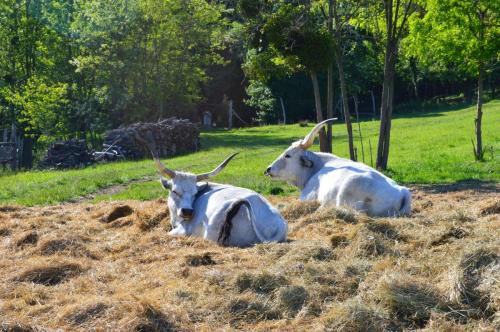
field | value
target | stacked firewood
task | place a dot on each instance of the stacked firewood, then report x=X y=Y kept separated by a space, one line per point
x=66 y=154
x=168 y=137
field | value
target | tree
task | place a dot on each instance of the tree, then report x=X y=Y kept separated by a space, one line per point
x=342 y=12
x=388 y=21
x=262 y=98
x=147 y=59
x=462 y=33
x=40 y=105
x=292 y=38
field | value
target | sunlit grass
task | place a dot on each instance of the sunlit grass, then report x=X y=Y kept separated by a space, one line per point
x=426 y=147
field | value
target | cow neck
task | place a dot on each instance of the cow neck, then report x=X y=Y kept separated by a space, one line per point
x=203 y=191
x=318 y=163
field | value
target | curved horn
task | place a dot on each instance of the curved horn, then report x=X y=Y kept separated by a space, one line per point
x=309 y=139
x=164 y=170
x=204 y=176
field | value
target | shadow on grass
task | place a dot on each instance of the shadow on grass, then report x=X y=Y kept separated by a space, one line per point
x=242 y=140
x=467 y=184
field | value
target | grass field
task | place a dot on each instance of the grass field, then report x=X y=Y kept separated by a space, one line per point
x=427 y=147
x=103 y=260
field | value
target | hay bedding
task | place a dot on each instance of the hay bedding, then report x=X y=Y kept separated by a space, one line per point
x=112 y=267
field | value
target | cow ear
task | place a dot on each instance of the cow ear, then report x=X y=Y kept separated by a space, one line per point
x=306 y=162
x=165 y=183
x=202 y=187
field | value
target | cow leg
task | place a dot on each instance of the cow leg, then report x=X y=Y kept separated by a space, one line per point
x=242 y=232
x=178 y=231
x=356 y=192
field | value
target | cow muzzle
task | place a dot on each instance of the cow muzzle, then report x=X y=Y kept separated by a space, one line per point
x=186 y=214
x=268 y=171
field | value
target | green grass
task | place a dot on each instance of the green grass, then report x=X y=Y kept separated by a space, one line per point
x=427 y=146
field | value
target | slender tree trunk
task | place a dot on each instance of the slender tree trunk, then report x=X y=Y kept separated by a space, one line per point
x=345 y=100
x=383 y=149
x=390 y=104
x=356 y=103
x=283 y=110
x=479 y=113
x=329 y=108
x=329 y=93
x=414 y=79
x=319 y=114
x=374 y=106
x=27 y=153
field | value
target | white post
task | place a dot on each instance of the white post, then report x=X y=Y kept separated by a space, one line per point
x=283 y=109
x=230 y=115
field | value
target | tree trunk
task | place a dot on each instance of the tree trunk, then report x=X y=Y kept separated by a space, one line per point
x=319 y=114
x=283 y=110
x=329 y=92
x=390 y=104
x=345 y=100
x=329 y=108
x=356 y=103
x=385 y=108
x=27 y=153
x=414 y=78
x=479 y=114
x=374 y=106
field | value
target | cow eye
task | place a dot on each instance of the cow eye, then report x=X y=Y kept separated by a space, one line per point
x=177 y=193
x=287 y=156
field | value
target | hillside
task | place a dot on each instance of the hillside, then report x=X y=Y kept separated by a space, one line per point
x=427 y=146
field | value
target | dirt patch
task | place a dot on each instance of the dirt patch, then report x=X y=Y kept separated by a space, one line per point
x=199 y=260
x=83 y=315
x=5 y=231
x=490 y=208
x=153 y=319
x=453 y=233
x=117 y=212
x=49 y=275
x=27 y=239
x=73 y=246
x=473 y=270
x=9 y=208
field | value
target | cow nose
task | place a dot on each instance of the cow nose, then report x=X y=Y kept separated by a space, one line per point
x=186 y=212
x=268 y=171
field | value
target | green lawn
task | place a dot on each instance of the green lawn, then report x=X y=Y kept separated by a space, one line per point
x=426 y=147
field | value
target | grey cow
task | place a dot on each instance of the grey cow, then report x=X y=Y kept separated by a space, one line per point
x=221 y=213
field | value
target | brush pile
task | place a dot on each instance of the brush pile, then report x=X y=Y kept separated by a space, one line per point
x=66 y=154
x=169 y=137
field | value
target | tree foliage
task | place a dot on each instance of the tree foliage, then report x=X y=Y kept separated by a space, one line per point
x=75 y=68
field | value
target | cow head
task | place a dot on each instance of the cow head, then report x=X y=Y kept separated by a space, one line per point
x=183 y=188
x=296 y=162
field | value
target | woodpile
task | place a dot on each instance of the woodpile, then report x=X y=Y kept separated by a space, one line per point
x=66 y=154
x=168 y=137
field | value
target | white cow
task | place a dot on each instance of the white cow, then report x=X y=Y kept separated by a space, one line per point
x=221 y=213
x=335 y=181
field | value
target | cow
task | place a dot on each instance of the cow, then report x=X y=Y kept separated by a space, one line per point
x=335 y=181
x=225 y=214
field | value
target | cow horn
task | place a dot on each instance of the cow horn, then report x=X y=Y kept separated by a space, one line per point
x=309 y=139
x=164 y=170
x=204 y=176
